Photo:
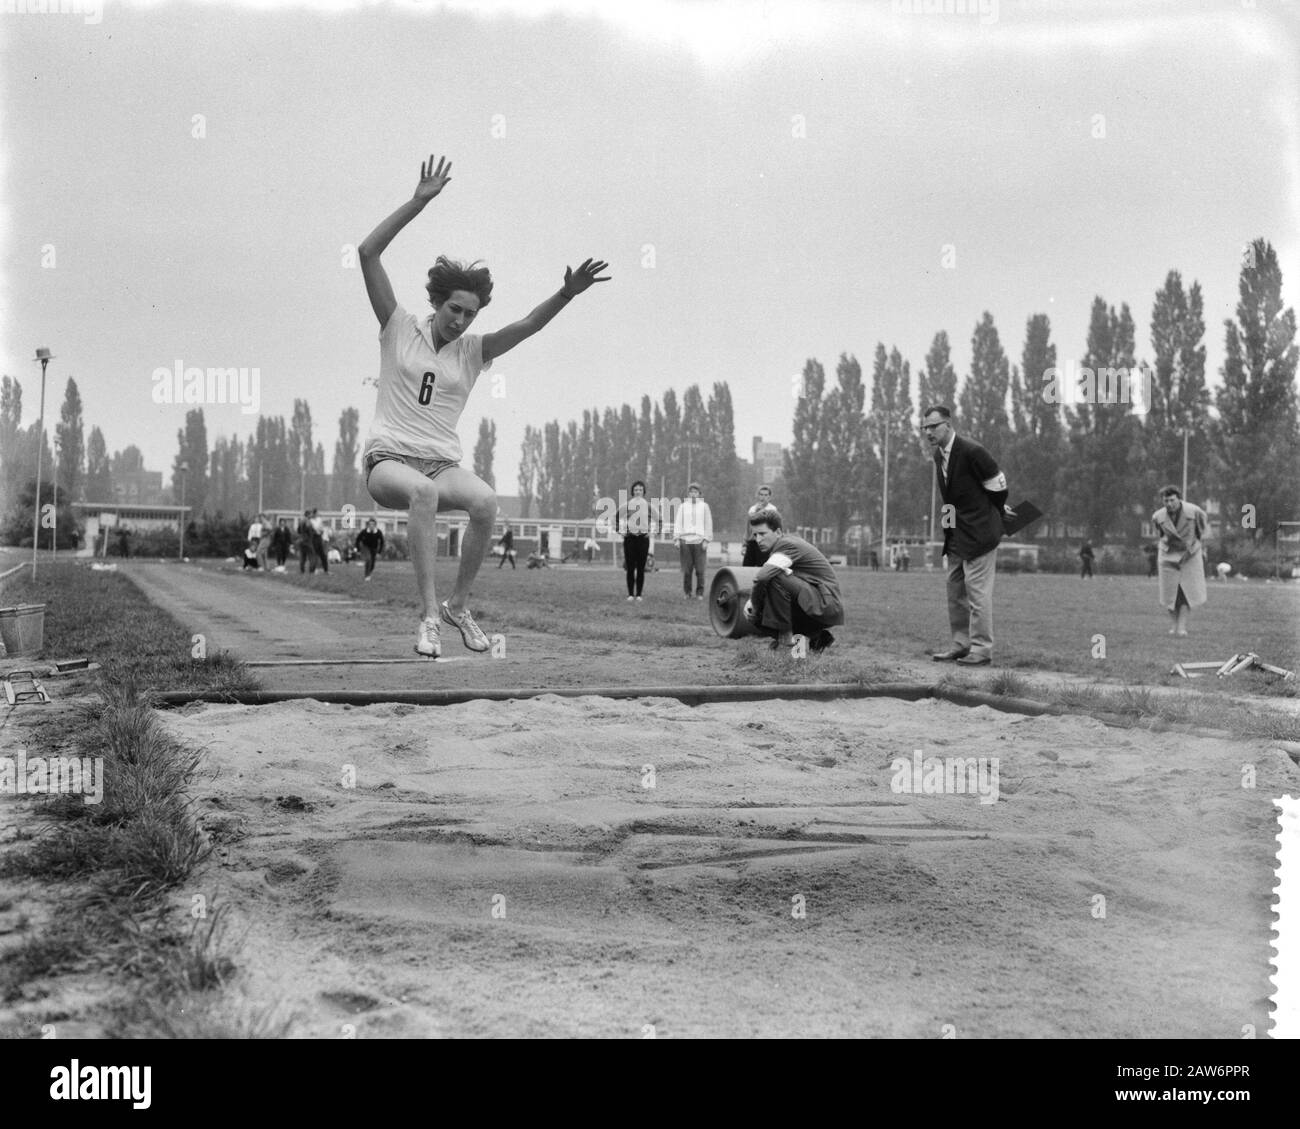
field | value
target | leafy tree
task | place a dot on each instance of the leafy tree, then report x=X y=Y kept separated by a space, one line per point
x=583 y=474
x=613 y=451
x=345 y=486
x=641 y=459
x=272 y=456
x=530 y=468
x=847 y=461
x=982 y=405
x=892 y=414
x=569 y=438
x=626 y=459
x=301 y=451
x=193 y=449
x=725 y=488
x=693 y=448
x=11 y=418
x=99 y=471
x=17 y=526
x=1096 y=488
x=1256 y=437
x=485 y=450
x=1037 y=448
x=670 y=457
x=551 y=482
x=804 y=473
x=937 y=380
x=70 y=443
x=130 y=460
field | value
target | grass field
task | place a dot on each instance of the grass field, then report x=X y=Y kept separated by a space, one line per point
x=102 y=616
x=1109 y=628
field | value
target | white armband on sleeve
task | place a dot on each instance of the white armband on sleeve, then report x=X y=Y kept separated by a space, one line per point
x=997 y=482
x=780 y=560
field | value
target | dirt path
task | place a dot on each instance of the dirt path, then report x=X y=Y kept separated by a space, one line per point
x=263 y=618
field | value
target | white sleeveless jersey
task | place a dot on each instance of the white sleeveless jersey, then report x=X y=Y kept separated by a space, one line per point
x=422 y=393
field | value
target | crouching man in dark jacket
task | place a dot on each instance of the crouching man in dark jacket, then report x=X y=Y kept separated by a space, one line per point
x=795 y=592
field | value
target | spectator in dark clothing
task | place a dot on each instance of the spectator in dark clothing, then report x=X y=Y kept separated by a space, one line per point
x=507 y=544
x=796 y=591
x=306 y=548
x=370 y=541
x=281 y=542
x=1152 y=551
x=634 y=521
x=1086 y=557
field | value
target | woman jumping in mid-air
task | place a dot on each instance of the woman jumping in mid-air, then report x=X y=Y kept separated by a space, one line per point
x=426 y=370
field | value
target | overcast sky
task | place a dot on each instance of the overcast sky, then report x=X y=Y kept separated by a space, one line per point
x=770 y=182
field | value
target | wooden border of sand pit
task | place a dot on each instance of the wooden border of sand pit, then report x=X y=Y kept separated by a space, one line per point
x=688 y=695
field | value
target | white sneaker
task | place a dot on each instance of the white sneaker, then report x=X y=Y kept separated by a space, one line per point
x=470 y=632
x=428 y=643
x=638 y=599
x=630 y=599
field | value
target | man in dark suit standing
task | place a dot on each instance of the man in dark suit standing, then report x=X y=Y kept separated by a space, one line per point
x=974 y=494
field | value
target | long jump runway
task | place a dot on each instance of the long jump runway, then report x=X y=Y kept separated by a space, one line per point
x=299 y=640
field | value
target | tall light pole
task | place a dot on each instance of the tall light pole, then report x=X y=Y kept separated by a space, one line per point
x=675 y=454
x=884 y=504
x=1186 y=432
x=185 y=470
x=45 y=357
x=884 y=498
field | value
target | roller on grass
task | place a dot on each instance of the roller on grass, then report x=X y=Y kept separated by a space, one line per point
x=728 y=593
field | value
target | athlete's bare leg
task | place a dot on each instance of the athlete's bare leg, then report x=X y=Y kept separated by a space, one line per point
x=459 y=489
x=397 y=486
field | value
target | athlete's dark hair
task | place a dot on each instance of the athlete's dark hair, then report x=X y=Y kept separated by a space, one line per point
x=447 y=275
x=1166 y=491
x=942 y=409
x=634 y=485
x=769 y=516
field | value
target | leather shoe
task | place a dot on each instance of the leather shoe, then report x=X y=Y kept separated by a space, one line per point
x=950 y=656
x=974 y=660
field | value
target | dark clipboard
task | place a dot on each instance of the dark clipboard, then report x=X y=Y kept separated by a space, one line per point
x=1026 y=514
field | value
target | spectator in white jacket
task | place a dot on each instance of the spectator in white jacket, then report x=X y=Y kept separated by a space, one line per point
x=694 y=532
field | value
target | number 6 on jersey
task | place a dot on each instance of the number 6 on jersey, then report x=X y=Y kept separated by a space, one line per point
x=426 y=388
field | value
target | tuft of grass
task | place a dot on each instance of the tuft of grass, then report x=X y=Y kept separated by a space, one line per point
x=139 y=843
x=201 y=1016
x=1131 y=701
x=60 y=948
x=103 y=616
x=1008 y=684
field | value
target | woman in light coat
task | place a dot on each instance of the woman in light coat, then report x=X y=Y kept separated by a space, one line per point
x=1181 y=527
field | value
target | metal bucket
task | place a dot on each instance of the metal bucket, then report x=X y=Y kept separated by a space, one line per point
x=728 y=592
x=22 y=629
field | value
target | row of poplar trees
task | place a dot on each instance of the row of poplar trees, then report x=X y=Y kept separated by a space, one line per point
x=1096 y=467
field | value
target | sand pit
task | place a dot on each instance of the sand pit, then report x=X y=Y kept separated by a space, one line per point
x=593 y=867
